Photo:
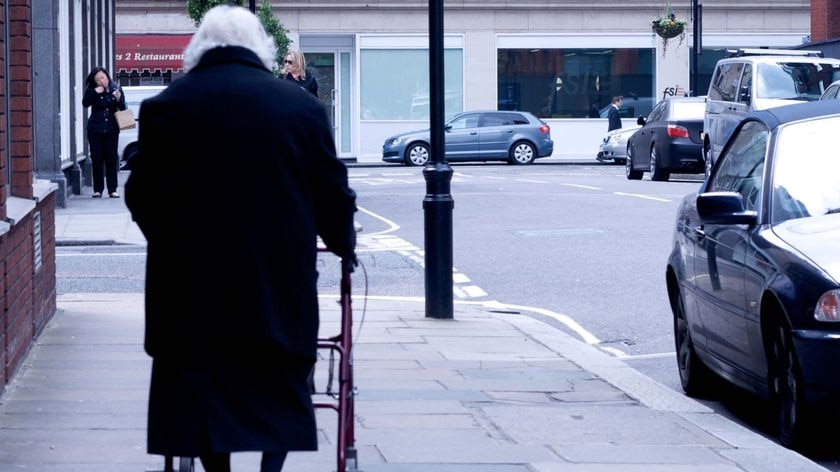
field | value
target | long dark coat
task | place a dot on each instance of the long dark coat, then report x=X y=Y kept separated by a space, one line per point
x=614 y=119
x=236 y=175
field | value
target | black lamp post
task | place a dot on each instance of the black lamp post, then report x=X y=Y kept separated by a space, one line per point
x=438 y=203
x=697 y=33
x=252 y=5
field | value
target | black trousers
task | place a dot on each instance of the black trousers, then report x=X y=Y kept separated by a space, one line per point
x=216 y=462
x=104 y=156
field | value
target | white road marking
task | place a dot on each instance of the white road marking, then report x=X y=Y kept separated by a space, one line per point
x=532 y=181
x=657 y=355
x=391 y=225
x=460 y=278
x=638 y=195
x=582 y=186
x=585 y=335
x=100 y=254
x=474 y=291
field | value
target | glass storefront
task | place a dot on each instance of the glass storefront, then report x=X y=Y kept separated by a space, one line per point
x=575 y=83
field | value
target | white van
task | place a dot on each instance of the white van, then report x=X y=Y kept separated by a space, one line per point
x=133 y=96
x=757 y=79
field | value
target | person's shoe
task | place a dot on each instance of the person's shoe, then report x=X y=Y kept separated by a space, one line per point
x=97 y=194
x=114 y=195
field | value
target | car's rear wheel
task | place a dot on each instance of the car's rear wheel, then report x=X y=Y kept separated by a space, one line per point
x=417 y=154
x=696 y=378
x=522 y=152
x=707 y=157
x=656 y=171
x=786 y=384
x=628 y=167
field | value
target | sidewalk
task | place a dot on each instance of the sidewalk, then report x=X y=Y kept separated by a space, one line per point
x=485 y=392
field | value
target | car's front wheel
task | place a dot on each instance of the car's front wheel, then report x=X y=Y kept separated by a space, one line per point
x=786 y=385
x=628 y=166
x=522 y=152
x=417 y=154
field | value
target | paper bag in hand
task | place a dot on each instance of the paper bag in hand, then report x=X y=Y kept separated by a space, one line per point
x=125 y=119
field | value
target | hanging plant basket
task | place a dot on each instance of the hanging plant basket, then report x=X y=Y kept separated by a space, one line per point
x=668 y=28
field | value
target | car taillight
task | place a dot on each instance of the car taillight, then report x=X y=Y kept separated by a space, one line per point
x=545 y=129
x=675 y=131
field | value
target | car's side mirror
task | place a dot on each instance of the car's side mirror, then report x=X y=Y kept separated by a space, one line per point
x=641 y=121
x=447 y=127
x=724 y=208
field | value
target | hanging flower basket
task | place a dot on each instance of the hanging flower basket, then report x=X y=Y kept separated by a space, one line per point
x=669 y=27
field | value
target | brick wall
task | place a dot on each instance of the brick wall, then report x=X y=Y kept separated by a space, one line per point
x=27 y=290
x=825 y=20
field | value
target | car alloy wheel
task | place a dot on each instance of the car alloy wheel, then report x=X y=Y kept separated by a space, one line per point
x=417 y=155
x=522 y=153
x=629 y=172
x=695 y=377
x=785 y=385
x=656 y=171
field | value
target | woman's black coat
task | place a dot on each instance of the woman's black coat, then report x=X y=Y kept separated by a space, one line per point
x=236 y=175
x=102 y=108
x=309 y=83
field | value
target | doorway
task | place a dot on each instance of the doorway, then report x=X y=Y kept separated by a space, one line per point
x=332 y=69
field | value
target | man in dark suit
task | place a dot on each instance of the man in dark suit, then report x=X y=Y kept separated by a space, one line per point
x=612 y=114
x=235 y=179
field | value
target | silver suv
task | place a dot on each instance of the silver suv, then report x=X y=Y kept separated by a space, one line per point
x=757 y=79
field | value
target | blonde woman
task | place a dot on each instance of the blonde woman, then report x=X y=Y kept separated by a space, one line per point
x=294 y=68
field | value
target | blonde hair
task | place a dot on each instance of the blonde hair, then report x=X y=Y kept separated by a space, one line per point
x=227 y=25
x=298 y=59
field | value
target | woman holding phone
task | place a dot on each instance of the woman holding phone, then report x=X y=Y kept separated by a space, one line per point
x=104 y=99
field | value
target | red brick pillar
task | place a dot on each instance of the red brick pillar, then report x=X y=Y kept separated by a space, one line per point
x=825 y=20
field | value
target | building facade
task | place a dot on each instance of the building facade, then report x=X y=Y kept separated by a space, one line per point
x=562 y=60
x=47 y=49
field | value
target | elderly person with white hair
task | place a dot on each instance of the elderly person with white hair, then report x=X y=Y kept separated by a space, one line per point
x=235 y=179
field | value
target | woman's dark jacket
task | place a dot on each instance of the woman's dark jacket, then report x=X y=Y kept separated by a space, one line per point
x=102 y=108
x=308 y=83
x=231 y=205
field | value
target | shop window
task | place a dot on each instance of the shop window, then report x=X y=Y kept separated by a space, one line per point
x=395 y=83
x=575 y=83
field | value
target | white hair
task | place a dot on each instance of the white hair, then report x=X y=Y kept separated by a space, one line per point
x=226 y=25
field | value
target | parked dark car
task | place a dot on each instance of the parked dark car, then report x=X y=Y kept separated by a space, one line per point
x=754 y=274
x=668 y=141
x=832 y=92
x=517 y=137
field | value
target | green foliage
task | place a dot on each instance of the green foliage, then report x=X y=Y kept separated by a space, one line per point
x=197 y=8
x=277 y=31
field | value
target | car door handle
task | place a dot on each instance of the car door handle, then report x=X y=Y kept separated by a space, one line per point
x=474 y=133
x=698 y=231
x=510 y=131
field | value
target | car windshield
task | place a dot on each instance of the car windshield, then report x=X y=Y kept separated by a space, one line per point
x=807 y=170
x=794 y=80
x=688 y=110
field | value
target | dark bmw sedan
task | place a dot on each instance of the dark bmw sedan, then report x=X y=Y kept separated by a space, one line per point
x=668 y=141
x=517 y=137
x=754 y=273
